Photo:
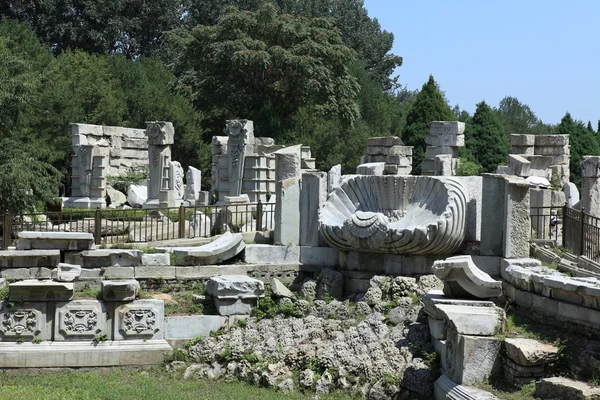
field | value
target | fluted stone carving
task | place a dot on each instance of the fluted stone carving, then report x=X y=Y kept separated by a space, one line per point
x=395 y=214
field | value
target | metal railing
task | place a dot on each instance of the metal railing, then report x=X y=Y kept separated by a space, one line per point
x=581 y=233
x=546 y=223
x=144 y=225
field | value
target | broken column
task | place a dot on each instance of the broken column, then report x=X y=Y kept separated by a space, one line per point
x=590 y=185
x=240 y=142
x=522 y=144
x=287 y=189
x=160 y=186
x=445 y=139
x=386 y=156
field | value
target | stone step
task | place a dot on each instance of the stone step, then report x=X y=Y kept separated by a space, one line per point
x=55 y=240
x=83 y=354
x=29 y=258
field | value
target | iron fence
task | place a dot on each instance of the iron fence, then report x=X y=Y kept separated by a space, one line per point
x=546 y=223
x=581 y=233
x=144 y=225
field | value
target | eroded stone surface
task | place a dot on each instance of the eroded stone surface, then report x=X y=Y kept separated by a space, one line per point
x=55 y=241
x=395 y=214
x=564 y=388
x=462 y=278
x=67 y=272
x=225 y=247
x=34 y=290
x=120 y=290
x=530 y=352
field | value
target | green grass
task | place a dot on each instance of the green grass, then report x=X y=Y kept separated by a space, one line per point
x=508 y=392
x=134 y=385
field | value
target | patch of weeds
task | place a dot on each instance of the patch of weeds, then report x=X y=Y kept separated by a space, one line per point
x=176 y=355
x=268 y=308
x=504 y=390
x=36 y=340
x=176 y=259
x=4 y=294
x=99 y=339
x=152 y=250
x=198 y=288
x=219 y=332
x=390 y=379
x=193 y=342
x=240 y=323
x=143 y=294
x=88 y=293
x=387 y=307
x=103 y=244
x=20 y=340
x=252 y=358
x=122 y=245
x=183 y=304
x=413 y=297
x=226 y=356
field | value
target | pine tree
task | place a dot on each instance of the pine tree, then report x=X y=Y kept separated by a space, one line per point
x=428 y=106
x=582 y=141
x=485 y=139
x=589 y=127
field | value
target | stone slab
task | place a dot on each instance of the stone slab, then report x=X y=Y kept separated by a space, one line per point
x=109 y=258
x=192 y=326
x=34 y=290
x=29 y=258
x=469 y=320
x=83 y=354
x=462 y=278
x=55 y=241
x=156 y=259
x=118 y=272
x=15 y=273
x=470 y=360
x=154 y=272
x=269 y=254
x=222 y=249
x=565 y=388
x=234 y=287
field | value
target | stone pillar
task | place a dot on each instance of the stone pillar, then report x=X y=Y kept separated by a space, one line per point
x=160 y=185
x=445 y=138
x=287 y=189
x=334 y=177
x=193 y=179
x=312 y=198
x=220 y=184
x=590 y=185
x=177 y=179
x=239 y=144
x=506 y=225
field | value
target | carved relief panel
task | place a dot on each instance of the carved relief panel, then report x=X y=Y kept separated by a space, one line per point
x=141 y=319
x=26 y=321
x=80 y=320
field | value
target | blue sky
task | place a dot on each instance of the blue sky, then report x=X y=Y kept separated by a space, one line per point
x=546 y=53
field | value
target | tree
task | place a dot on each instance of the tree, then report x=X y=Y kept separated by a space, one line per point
x=589 y=127
x=130 y=27
x=485 y=139
x=429 y=105
x=265 y=66
x=516 y=117
x=582 y=141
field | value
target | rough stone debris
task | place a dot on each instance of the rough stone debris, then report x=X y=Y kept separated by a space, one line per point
x=530 y=352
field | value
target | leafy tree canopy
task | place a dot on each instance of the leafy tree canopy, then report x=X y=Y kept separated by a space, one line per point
x=485 y=139
x=265 y=66
x=582 y=141
x=429 y=105
x=129 y=27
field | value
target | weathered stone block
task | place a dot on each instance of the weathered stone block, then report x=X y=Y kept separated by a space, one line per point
x=141 y=319
x=55 y=241
x=118 y=272
x=120 y=290
x=154 y=272
x=34 y=290
x=156 y=259
x=268 y=254
x=80 y=320
x=24 y=320
x=29 y=258
x=530 y=352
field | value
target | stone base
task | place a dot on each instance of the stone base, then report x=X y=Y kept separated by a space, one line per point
x=83 y=354
x=235 y=306
x=84 y=202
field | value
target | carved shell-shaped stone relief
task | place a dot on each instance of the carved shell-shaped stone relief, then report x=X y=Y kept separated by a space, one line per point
x=395 y=214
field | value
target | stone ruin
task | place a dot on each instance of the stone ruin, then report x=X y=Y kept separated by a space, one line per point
x=245 y=164
x=103 y=151
x=369 y=240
